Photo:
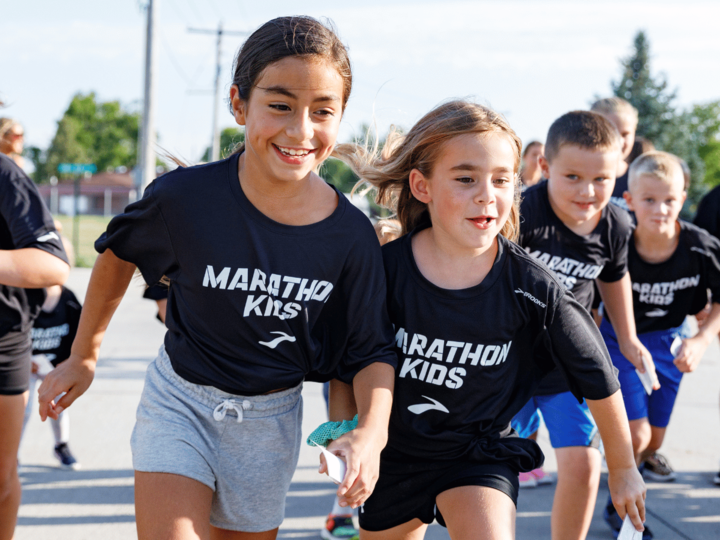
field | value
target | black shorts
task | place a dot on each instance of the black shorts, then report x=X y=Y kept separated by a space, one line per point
x=408 y=490
x=15 y=352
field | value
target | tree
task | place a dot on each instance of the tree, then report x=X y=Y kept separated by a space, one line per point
x=692 y=134
x=649 y=96
x=230 y=138
x=90 y=132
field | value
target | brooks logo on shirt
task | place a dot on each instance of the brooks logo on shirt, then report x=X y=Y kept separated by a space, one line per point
x=662 y=294
x=277 y=341
x=280 y=291
x=530 y=297
x=48 y=236
x=567 y=270
x=445 y=352
x=424 y=407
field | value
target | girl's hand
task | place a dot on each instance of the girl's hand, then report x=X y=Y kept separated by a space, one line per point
x=628 y=491
x=690 y=354
x=360 y=449
x=635 y=351
x=70 y=378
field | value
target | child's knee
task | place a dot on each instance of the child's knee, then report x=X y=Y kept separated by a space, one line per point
x=579 y=465
x=641 y=434
x=8 y=477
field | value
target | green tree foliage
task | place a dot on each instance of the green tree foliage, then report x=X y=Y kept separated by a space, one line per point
x=90 y=132
x=691 y=134
x=230 y=138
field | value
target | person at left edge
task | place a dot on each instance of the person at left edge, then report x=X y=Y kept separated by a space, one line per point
x=273 y=275
x=31 y=258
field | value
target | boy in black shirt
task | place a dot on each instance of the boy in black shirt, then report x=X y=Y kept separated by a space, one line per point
x=52 y=334
x=568 y=224
x=672 y=263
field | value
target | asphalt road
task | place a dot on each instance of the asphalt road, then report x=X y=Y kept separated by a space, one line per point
x=97 y=501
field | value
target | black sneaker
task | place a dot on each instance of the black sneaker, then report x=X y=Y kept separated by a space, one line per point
x=64 y=455
x=613 y=520
x=658 y=469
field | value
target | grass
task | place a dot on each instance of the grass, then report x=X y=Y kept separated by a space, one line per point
x=90 y=228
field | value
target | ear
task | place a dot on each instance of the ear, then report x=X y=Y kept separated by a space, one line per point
x=628 y=200
x=238 y=104
x=544 y=165
x=419 y=186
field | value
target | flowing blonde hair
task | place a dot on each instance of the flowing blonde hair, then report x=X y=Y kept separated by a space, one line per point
x=389 y=171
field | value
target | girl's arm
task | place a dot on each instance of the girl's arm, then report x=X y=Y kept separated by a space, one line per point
x=627 y=488
x=693 y=348
x=617 y=298
x=109 y=281
x=372 y=388
x=32 y=268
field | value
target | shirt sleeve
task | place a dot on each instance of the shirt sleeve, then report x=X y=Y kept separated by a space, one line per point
x=619 y=232
x=28 y=220
x=140 y=236
x=579 y=350
x=712 y=252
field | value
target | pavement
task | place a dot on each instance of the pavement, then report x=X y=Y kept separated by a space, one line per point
x=96 y=502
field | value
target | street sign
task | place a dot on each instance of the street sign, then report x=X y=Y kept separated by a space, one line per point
x=77 y=168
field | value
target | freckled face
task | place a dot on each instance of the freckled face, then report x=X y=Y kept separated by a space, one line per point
x=580 y=182
x=471 y=188
x=292 y=117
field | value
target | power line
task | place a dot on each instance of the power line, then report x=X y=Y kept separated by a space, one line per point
x=215 y=154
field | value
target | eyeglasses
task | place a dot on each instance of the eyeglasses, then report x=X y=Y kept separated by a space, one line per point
x=13 y=135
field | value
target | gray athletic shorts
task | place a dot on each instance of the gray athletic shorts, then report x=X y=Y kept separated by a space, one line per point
x=243 y=448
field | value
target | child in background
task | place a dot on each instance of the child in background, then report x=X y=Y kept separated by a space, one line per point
x=671 y=264
x=478 y=322
x=52 y=335
x=530 y=172
x=339 y=523
x=641 y=146
x=568 y=224
x=625 y=118
x=274 y=277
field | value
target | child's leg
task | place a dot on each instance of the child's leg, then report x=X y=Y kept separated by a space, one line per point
x=641 y=434
x=578 y=479
x=11 y=419
x=61 y=428
x=412 y=530
x=473 y=512
x=573 y=435
x=656 y=440
x=32 y=399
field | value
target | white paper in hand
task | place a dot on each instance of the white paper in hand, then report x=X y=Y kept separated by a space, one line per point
x=628 y=531
x=336 y=467
x=44 y=366
x=675 y=346
x=645 y=378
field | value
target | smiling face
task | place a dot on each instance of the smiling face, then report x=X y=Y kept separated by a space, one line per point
x=470 y=190
x=657 y=203
x=580 y=183
x=291 y=118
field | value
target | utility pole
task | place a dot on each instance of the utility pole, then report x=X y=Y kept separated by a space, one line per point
x=146 y=167
x=215 y=146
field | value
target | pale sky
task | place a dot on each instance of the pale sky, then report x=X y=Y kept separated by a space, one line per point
x=530 y=60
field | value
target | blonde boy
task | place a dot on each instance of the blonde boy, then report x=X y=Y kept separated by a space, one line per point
x=671 y=263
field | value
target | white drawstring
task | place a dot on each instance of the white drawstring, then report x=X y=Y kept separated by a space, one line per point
x=221 y=410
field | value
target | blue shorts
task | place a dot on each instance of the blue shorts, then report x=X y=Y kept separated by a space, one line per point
x=658 y=406
x=569 y=422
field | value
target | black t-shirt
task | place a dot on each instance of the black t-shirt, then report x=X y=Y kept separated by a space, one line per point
x=53 y=332
x=576 y=260
x=665 y=293
x=255 y=305
x=621 y=186
x=708 y=213
x=470 y=359
x=25 y=222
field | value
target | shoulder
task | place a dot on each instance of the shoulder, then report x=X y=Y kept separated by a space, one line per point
x=185 y=181
x=697 y=237
x=527 y=274
x=619 y=217
x=13 y=177
x=533 y=196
